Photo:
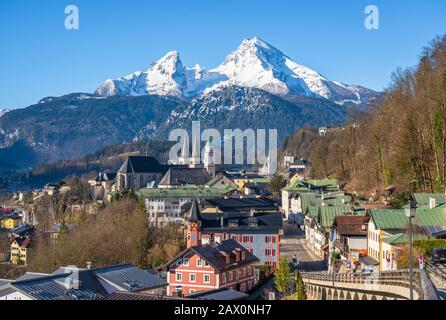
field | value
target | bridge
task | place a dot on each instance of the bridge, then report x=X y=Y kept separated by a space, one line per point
x=389 y=285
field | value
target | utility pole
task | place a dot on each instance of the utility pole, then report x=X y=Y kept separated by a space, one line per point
x=410 y=211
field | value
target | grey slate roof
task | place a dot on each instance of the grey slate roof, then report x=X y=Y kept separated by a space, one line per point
x=130 y=296
x=259 y=223
x=51 y=287
x=182 y=175
x=4 y=282
x=23 y=230
x=142 y=164
x=368 y=261
x=243 y=204
x=105 y=176
x=129 y=277
x=219 y=294
x=32 y=275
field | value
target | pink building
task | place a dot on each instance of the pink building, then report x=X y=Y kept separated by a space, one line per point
x=212 y=266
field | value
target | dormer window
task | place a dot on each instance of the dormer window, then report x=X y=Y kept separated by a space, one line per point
x=253 y=222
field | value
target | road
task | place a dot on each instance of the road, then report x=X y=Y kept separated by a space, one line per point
x=442 y=293
x=293 y=243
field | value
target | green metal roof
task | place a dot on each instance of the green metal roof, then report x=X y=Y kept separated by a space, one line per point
x=261 y=180
x=185 y=192
x=390 y=219
x=401 y=238
x=329 y=213
x=327 y=183
x=431 y=217
x=395 y=219
x=212 y=181
x=312 y=199
x=296 y=187
x=313 y=211
x=308 y=185
x=423 y=198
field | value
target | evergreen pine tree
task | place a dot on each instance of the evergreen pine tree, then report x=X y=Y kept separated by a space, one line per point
x=300 y=287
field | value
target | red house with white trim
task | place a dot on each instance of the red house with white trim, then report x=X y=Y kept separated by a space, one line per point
x=209 y=267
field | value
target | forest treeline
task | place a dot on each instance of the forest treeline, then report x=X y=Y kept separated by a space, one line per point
x=108 y=158
x=401 y=142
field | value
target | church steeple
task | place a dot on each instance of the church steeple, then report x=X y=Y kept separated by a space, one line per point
x=194 y=161
x=184 y=158
x=209 y=159
x=193 y=226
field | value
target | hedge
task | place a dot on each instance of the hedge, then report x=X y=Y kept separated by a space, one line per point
x=426 y=246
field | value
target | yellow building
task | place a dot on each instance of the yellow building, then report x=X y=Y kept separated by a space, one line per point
x=19 y=248
x=242 y=181
x=10 y=222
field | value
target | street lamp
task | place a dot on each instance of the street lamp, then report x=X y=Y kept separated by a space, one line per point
x=410 y=210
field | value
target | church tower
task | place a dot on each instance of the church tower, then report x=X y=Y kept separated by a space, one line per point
x=184 y=158
x=209 y=159
x=194 y=161
x=193 y=226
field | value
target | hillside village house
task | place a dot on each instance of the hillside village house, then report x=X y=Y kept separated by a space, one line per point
x=306 y=186
x=350 y=238
x=259 y=233
x=387 y=229
x=300 y=168
x=242 y=178
x=165 y=205
x=301 y=201
x=287 y=161
x=206 y=267
x=19 y=250
x=221 y=181
x=102 y=185
x=10 y=221
x=318 y=224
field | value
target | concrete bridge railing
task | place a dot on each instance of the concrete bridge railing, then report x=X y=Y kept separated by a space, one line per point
x=393 y=285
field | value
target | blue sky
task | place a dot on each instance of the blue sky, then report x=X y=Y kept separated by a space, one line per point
x=39 y=57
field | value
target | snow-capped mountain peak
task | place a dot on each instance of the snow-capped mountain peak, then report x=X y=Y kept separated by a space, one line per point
x=165 y=77
x=254 y=64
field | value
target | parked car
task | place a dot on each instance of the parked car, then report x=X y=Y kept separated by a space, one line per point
x=438 y=255
x=367 y=271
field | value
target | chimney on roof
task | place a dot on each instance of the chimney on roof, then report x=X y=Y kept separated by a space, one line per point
x=88 y=265
x=243 y=255
x=432 y=203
